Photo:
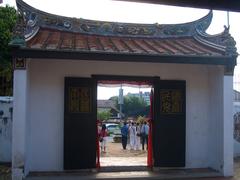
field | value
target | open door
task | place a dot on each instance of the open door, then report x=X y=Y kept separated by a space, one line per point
x=80 y=123
x=169 y=123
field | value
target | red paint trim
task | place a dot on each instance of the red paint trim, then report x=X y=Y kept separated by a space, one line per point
x=98 y=148
x=150 y=153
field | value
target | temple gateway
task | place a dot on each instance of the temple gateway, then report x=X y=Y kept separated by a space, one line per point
x=59 y=62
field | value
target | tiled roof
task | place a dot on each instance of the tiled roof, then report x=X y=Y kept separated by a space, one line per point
x=43 y=35
x=108 y=104
x=61 y=40
x=105 y=104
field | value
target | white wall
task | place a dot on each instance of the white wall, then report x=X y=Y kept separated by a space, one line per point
x=6 y=130
x=221 y=121
x=46 y=107
x=236 y=146
x=227 y=126
x=236 y=109
x=19 y=123
x=216 y=116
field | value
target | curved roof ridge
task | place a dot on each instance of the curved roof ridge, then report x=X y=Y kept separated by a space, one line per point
x=206 y=35
x=36 y=18
x=223 y=41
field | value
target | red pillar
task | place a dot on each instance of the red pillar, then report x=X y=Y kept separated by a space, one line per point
x=150 y=153
x=97 y=148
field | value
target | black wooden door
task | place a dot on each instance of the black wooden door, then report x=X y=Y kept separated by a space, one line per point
x=169 y=124
x=80 y=123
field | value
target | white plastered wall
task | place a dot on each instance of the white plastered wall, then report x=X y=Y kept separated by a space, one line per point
x=46 y=107
x=216 y=116
x=221 y=121
x=6 y=130
x=19 y=125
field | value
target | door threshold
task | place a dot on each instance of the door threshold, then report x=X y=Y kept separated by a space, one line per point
x=123 y=168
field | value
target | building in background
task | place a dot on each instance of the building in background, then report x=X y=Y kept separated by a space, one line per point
x=108 y=105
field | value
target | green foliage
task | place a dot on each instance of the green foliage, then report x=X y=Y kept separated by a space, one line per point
x=103 y=115
x=115 y=100
x=133 y=106
x=8 y=18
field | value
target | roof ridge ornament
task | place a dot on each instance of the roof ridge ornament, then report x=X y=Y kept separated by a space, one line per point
x=36 y=18
x=229 y=42
x=222 y=41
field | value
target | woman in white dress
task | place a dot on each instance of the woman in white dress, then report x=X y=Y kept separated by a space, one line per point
x=138 y=137
x=132 y=135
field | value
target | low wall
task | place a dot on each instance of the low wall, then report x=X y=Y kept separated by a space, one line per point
x=6 y=129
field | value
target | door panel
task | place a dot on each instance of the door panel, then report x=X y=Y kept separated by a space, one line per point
x=169 y=125
x=80 y=123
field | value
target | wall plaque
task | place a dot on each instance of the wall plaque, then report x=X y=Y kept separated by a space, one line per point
x=19 y=63
x=171 y=101
x=79 y=99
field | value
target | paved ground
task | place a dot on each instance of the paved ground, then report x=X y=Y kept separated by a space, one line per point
x=115 y=156
x=116 y=150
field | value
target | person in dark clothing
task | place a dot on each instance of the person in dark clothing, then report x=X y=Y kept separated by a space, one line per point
x=124 y=132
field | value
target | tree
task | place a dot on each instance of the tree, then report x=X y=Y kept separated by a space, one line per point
x=103 y=115
x=133 y=106
x=8 y=19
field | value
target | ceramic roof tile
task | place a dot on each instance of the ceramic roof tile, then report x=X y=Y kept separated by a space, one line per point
x=146 y=47
x=56 y=40
x=53 y=40
x=67 y=41
x=81 y=42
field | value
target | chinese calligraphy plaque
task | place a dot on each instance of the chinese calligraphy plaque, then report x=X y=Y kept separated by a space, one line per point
x=79 y=100
x=171 y=101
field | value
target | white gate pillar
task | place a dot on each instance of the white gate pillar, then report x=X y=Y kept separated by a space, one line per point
x=19 y=119
x=227 y=126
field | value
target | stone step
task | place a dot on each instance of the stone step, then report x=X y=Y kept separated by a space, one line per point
x=162 y=174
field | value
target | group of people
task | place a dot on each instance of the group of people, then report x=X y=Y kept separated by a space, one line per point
x=137 y=135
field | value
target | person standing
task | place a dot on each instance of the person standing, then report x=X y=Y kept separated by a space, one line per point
x=124 y=132
x=138 y=136
x=103 y=138
x=132 y=136
x=144 y=134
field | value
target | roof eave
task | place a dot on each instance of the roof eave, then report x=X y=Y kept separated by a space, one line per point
x=23 y=52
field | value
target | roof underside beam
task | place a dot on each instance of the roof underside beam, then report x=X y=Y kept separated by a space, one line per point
x=99 y=56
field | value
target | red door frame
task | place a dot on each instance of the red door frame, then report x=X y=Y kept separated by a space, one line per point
x=134 y=80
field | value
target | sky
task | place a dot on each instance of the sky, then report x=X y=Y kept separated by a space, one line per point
x=118 y=11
